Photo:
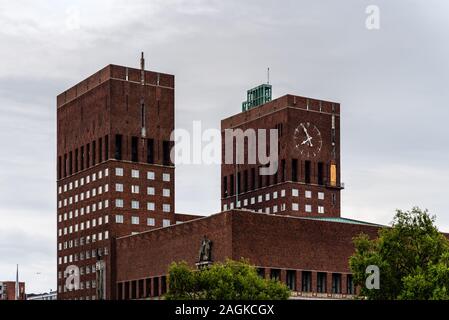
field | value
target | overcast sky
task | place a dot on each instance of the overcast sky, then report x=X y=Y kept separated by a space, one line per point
x=392 y=84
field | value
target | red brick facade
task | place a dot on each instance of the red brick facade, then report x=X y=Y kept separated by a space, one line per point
x=8 y=290
x=282 y=245
x=304 y=178
x=114 y=172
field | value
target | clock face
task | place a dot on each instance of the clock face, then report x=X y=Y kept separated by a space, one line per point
x=307 y=139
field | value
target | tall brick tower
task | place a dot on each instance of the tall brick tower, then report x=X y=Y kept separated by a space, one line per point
x=307 y=182
x=114 y=173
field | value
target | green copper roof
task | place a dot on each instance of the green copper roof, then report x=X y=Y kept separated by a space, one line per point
x=344 y=220
x=257 y=96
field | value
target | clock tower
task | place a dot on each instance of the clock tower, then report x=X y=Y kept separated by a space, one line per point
x=307 y=181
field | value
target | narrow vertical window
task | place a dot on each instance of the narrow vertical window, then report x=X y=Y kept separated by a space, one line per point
x=106 y=147
x=225 y=187
x=166 y=153
x=88 y=155
x=59 y=167
x=82 y=158
x=150 y=151
x=70 y=163
x=245 y=181
x=76 y=160
x=231 y=185
x=94 y=152
x=253 y=178
x=100 y=150
x=134 y=149
x=307 y=170
x=65 y=165
x=320 y=173
x=294 y=170
x=118 y=146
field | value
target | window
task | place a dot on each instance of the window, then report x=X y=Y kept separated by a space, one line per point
x=225 y=207
x=291 y=279
x=275 y=274
x=119 y=172
x=308 y=208
x=253 y=200
x=320 y=173
x=282 y=193
x=275 y=209
x=118 y=146
x=321 y=282
x=253 y=179
x=134 y=149
x=259 y=199
x=225 y=187
x=106 y=236
x=118 y=218
x=106 y=147
x=150 y=222
x=150 y=206
x=308 y=194
x=275 y=195
x=320 y=195
x=134 y=189
x=267 y=210
x=165 y=222
x=267 y=197
x=135 y=173
x=320 y=209
x=150 y=191
x=295 y=206
x=166 y=177
x=306 y=281
x=307 y=170
x=166 y=207
x=150 y=151
x=295 y=192
x=166 y=192
x=294 y=170
x=150 y=175
x=135 y=204
x=135 y=220
x=245 y=202
x=119 y=203
x=350 y=284
x=231 y=185
x=166 y=153
x=336 y=283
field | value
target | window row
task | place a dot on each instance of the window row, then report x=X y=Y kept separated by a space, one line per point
x=83 y=157
x=81 y=256
x=252 y=179
x=83 y=226
x=80 y=212
x=135 y=204
x=85 y=180
x=83 y=196
x=135 y=220
x=135 y=189
x=119 y=172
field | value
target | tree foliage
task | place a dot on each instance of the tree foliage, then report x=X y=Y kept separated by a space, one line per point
x=412 y=255
x=232 y=280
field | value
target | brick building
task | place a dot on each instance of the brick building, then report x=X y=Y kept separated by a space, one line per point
x=307 y=182
x=114 y=171
x=116 y=211
x=8 y=290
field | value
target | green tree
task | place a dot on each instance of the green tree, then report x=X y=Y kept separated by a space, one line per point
x=232 y=280
x=412 y=255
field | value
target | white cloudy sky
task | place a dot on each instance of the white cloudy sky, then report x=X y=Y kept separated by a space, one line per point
x=392 y=84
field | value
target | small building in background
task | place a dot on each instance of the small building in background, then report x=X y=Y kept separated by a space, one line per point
x=8 y=290
x=52 y=295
